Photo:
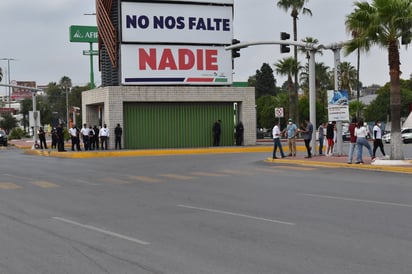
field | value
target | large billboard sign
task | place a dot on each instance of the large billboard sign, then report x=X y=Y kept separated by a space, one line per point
x=176 y=42
x=175 y=64
x=229 y=2
x=338 y=108
x=176 y=23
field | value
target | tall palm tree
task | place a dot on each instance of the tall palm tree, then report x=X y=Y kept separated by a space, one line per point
x=288 y=67
x=296 y=7
x=383 y=23
x=349 y=76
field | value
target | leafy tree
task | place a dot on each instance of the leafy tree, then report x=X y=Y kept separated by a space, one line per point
x=8 y=122
x=265 y=81
x=288 y=67
x=383 y=23
x=296 y=7
x=349 y=75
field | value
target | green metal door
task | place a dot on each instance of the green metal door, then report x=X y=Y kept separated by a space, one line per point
x=176 y=125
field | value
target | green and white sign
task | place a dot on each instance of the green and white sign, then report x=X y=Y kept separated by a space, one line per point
x=84 y=34
x=90 y=52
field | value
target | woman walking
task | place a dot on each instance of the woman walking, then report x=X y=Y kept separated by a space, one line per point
x=361 y=132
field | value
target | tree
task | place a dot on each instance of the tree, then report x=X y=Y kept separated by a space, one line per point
x=383 y=23
x=8 y=122
x=349 y=75
x=296 y=7
x=289 y=67
x=265 y=81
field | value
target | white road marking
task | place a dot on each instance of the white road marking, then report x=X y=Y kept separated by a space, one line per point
x=358 y=200
x=103 y=231
x=236 y=214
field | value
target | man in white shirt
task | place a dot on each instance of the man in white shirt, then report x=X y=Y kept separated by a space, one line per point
x=377 y=139
x=104 y=135
x=276 y=133
x=75 y=138
x=85 y=136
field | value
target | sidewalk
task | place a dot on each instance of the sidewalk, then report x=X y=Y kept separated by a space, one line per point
x=317 y=160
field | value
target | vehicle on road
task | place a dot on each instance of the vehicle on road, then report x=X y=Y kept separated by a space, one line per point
x=406 y=135
x=3 y=138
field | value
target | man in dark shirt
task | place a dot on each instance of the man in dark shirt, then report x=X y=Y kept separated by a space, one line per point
x=216 y=133
x=118 y=136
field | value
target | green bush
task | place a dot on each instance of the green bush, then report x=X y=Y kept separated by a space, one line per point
x=17 y=133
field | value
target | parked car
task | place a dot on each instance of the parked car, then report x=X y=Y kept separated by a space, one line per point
x=406 y=135
x=3 y=138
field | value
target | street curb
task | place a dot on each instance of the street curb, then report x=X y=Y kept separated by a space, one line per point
x=387 y=168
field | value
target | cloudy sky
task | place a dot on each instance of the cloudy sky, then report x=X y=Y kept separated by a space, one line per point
x=36 y=34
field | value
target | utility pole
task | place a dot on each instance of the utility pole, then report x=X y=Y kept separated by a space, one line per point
x=8 y=76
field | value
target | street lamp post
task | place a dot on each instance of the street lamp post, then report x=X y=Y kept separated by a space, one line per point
x=8 y=75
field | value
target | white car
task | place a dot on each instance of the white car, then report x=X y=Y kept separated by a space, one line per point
x=406 y=135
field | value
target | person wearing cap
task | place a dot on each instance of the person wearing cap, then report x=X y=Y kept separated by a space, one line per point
x=291 y=131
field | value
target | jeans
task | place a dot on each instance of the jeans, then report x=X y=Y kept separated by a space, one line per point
x=276 y=144
x=352 y=147
x=362 y=142
x=321 y=145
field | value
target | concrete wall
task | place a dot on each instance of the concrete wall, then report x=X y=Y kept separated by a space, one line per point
x=111 y=99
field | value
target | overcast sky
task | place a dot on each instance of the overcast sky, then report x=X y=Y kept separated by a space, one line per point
x=36 y=34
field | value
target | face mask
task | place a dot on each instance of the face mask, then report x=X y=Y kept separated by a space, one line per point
x=290 y=123
x=379 y=124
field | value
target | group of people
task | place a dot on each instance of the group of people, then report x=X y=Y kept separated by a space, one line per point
x=93 y=138
x=358 y=138
x=291 y=131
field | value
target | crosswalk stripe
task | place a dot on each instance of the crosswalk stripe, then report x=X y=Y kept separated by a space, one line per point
x=237 y=172
x=209 y=174
x=9 y=186
x=44 y=184
x=145 y=179
x=177 y=176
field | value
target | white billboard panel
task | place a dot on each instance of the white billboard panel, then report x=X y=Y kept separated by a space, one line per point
x=230 y=2
x=176 y=23
x=175 y=65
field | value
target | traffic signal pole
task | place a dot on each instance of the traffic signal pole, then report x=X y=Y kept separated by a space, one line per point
x=311 y=48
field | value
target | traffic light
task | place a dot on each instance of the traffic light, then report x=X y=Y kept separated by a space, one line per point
x=284 y=48
x=235 y=52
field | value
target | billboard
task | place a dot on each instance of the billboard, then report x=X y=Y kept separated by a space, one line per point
x=338 y=109
x=175 y=64
x=22 y=93
x=229 y=2
x=176 y=23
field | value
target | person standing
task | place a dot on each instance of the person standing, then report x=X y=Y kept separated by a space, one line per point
x=104 y=135
x=307 y=137
x=330 y=137
x=92 y=144
x=291 y=130
x=216 y=132
x=352 y=139
x=118 y=136
x=276 y=133
x=377 y=139
x=74 y=138
x=84 y=132
x=321 y=137
x=54 y=138
x=239 y=134
x=60 y=138
x=361 y=132
x=96 y=131
x=42 y=138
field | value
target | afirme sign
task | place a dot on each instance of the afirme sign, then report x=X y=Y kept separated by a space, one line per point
x=84 y=34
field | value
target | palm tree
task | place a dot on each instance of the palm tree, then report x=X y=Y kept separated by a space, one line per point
x=289 y=67
x=383 y=23
x=296 y=7
x=349 y=76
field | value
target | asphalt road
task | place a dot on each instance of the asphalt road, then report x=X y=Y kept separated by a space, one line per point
x=189 y=214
